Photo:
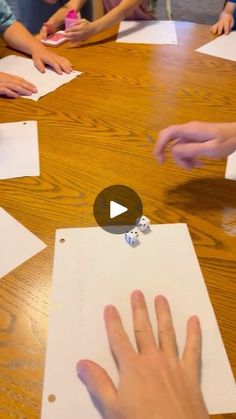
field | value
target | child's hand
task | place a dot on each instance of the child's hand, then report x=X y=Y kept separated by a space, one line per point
x=189 y=142
x=154 y=382
x=224 y=24
x=14 y=87
x=81 y=31
x=42 y=57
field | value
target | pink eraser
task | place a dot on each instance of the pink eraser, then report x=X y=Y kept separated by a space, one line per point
x=71 y=18
x=72 y=14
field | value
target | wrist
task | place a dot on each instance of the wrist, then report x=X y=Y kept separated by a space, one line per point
x=36 y=46
x=226 y=14
x=95 y=28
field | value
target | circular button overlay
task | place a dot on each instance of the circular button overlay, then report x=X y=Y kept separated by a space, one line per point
x=117 y=208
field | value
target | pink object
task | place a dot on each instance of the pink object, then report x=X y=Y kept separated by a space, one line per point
x=72 y=14
x=71 y=18
x=55 y=39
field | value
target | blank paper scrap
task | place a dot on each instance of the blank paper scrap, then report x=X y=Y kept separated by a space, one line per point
x=230 y=172
x=45 y=82
x=17 y=244
x=19 y=153
x=223 y=46
x=147 y=32
x=93 y=268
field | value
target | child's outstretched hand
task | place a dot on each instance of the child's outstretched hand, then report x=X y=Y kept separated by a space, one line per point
x=189 y=142
x=154 y=382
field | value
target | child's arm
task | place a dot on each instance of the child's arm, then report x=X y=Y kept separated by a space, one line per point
x=84 y=29
x=19 y=38
x=226 y=19
x=57 y=20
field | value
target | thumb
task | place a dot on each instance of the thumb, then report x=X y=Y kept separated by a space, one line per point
x=99 y=385
x=44 y=32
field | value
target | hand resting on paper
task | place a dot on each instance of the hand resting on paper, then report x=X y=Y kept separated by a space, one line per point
x=14 y=87
x=19 y=38
x=224 y=24
x=154 y=382
x=226 y=19
x=189 y=142
x=43 y=57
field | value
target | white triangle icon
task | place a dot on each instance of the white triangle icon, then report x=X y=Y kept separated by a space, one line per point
x=116 y=209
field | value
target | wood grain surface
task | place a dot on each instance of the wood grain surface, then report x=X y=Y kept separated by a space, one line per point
x=100 y=130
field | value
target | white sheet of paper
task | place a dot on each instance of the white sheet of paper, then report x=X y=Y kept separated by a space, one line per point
x=223 y=47
x=230 y=172
x=19 y=153
x=45 y=82
x=147 y=32
x=17 y=244
x=93 y=268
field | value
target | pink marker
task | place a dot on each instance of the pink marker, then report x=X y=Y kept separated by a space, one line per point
x=71 y=18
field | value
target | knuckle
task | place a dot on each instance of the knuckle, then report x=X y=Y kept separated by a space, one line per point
x=166 y=330
x=143 y=330
x=193 y=124
x=194 y=350
x=214 y=149
x=120 y=337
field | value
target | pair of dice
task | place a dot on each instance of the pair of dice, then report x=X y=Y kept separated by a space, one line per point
x=132 y=236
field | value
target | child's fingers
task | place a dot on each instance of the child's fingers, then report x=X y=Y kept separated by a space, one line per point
x=118 y=338
x=220 y=28
x=192 y=349
x=77 y=26
x=6 y=91
x=214 y=28
x=144 y=335
x=44 y=32
x=166 y=332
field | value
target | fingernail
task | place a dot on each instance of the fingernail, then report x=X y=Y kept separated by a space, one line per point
x=137 y=296
x=111 y=310
x=161 y=299
x=195 y=319
x=81 y=370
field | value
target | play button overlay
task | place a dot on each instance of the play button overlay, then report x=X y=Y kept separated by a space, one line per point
x=117 y=208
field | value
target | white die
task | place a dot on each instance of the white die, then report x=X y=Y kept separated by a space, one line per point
x=143 y=223
x=132 y=236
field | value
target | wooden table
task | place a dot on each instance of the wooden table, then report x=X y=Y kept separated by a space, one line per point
x=97 y=131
